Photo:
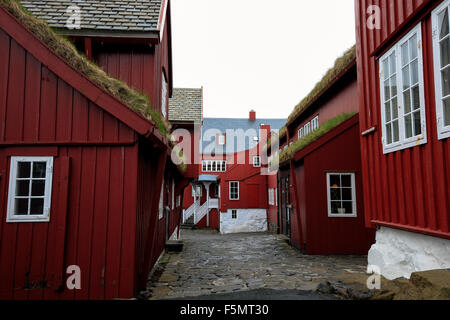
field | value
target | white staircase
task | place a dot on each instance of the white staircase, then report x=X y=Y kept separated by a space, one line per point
x=201 y=213
x=189 y=212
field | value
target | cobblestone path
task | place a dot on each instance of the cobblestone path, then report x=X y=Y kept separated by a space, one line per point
x=212 y=263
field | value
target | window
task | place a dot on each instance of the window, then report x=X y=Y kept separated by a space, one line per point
x=300 y=133
x=214 y=166
x=307 y=129
x=233 y=214
x=441 y=45
x=30 y=189
x=341 y=195
x=402 y=94
x=234 y=190
x=221 y=139
x=257 y=161
x=315 y=123
x=196 y=191
x=164 y=95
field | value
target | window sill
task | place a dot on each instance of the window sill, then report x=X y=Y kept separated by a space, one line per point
x=342 y=215
x=444 y=134
x=28 y=219
x=404 y=145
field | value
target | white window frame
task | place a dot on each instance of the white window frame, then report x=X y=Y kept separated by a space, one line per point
x=257 y=161
x=220 y=165
x=315 y=123
x=45 y=217
x=307 y=129
x=300 y=133
x=230 y=193
x=443 y=131
x=196 y=188
x=403 y=143
x=353 y=186
x=234 y=214
x=164 y=95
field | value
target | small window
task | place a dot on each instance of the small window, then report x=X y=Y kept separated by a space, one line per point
x=209 y=166
x=234 y=190
x=341 y=195
x=30 y=189
x=204 y=166
x=307 y=129
x=441 y=48
x=224 y=166
x=196 y=191
x=402 y=94
x=300 y=133
x=234 y=214
x=315 y=123
x=257 y=161
x=221 y=139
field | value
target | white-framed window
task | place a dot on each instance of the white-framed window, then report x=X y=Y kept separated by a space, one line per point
x=221 y=139
x=300 y=133
x=161 y=203
x=441 y=55
x=214 y=166
x=164 y=95
x=197 y=191
x=341 y=195
x=256 y=161
x=234 y=190
x=234 y=214
x=30 y=189
x=307 y=129
x=315 y=123
x=402 y=94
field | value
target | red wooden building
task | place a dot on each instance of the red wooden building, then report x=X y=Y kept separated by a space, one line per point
x=403 y=82
x=319 y=201
x=85 y=175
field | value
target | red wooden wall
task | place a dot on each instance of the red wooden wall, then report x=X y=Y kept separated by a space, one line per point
x=407 y=189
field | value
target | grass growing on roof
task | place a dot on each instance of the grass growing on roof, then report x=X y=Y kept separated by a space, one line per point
x=288 y=154
x=67 y=51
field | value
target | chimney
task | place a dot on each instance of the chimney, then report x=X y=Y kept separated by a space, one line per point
x=252 y=116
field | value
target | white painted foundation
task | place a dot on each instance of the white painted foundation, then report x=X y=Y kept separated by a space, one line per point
x=248 y=220
x=399 y=253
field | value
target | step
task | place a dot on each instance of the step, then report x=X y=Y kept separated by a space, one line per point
x=174 y=245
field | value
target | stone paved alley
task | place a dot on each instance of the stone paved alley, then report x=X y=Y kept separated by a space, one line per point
x=216 y=264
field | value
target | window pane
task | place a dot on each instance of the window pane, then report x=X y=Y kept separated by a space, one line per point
x=445 y=55
x=443 y=24
x=23 y=169
x=393 y=63
x=346 y=180
x=386 y=69
x=347 y=194
x=387 y=107
x=413 y=47
x=446 y=82
x=417 y=124
x=335 y=194
x=416 y=98
x=387 y=91
x=396 y=131
x=406 y=82
x=38 y=188
x=22 y=188
x=394 y=108
x=393 y=86
x=348 y=206
x=389 y=133
x=21 y=207
x=414 y=72
x=335 y=181
x=446 y=103
x=37 y=207
x=39 y=169
x=408 y=126
x=335 y=205
x=405 y=56
x=407 y=100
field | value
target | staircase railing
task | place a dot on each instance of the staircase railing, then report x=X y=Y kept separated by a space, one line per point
x=190 y=211
x=201 y=213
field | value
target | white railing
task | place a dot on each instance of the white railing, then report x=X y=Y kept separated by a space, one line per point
x=214 y=203
x=189 y=212
x=201 y=213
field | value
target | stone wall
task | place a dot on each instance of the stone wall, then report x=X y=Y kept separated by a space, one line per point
x=248 y=220
x=399 y=253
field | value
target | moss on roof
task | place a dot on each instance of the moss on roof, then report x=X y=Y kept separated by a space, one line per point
x=287 y=154
x=136 y=101
x=341 y=64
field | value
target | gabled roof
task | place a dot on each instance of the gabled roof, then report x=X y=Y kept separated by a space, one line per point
x=100 y=15
x=212 y=126
x=186 y=105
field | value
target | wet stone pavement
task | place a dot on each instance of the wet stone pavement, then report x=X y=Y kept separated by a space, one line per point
x=216 y=264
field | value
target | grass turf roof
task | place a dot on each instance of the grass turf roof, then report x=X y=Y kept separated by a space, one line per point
x=136 y=101
x=341 y=64
x=288 y=154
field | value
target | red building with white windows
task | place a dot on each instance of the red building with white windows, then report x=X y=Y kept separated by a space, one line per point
x=403 y=83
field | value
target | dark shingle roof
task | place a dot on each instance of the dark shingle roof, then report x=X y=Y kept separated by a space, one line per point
x=100 y=15
x=213 y=126
x=186 y=105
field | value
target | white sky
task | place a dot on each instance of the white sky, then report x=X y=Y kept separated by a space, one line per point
x=257 y=54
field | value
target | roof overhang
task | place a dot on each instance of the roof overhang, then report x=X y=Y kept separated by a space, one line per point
x=207 y=178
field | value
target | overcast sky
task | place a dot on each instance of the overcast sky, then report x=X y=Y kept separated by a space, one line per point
x=257 y=54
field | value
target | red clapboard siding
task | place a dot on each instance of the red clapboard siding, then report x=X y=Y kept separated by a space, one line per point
x=408 y=189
